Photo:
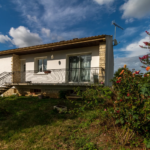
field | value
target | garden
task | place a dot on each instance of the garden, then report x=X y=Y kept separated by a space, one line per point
x=105 y=118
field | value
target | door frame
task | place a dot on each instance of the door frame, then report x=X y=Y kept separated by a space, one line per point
x=67 y=63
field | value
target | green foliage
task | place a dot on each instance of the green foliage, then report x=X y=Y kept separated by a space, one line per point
x=92 y=97
x=147 y=143
x=62 y=94
x=130 y=108
x=116 y=74
x=81 y=142
x=148 y=72
x=89 y=146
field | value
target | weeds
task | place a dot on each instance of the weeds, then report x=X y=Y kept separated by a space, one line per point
x=33 y=124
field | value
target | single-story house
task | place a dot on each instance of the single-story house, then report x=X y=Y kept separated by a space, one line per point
x=52 y=67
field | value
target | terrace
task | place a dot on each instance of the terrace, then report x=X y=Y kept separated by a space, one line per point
x=75 y=76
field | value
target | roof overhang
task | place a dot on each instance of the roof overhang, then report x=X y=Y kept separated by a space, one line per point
x=62 y=45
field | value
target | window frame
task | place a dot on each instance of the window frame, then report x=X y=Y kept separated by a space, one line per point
x=42 y=64
x=36 y=66
x=76 y=54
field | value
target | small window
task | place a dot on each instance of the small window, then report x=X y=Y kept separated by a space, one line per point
x=15 y=90
x=42 y=65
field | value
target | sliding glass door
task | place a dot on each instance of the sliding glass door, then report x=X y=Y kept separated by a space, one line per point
x=79 y=68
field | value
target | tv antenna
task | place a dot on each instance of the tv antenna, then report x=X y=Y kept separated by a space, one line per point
x=115 y=41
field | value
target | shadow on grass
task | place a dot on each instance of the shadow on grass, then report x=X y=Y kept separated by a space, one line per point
x=19 y=113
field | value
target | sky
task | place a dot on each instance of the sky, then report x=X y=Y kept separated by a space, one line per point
x=33 y=22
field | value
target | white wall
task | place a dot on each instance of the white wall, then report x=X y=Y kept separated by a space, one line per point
x=5 y=63
x=61 y=56
x=57 y=76
x=5 y=66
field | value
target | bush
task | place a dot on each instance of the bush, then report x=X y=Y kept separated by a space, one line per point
x=92 y=97
x=62 y=94
x=116 y=74
x=130 y=108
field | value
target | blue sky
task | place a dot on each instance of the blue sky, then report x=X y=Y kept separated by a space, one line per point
x=33 y=22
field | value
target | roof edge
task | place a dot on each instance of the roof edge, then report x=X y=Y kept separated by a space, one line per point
x=55 y=44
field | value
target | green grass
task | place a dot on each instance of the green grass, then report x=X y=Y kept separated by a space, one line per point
x=31 y=123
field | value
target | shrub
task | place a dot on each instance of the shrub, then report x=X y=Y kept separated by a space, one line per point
x=116 y=74
x=62 y=94
x=147 y=73
x=130 y=108
x=92 y=97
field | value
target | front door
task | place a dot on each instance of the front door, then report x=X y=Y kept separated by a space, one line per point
x=23 y=71
x=79 y=68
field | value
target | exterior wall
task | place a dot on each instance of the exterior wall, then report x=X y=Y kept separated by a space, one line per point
x=51 y=91
x=62 y=56
x=5 y=66
x=109 y=61
x=5 y=62
x=10 y=92
x=16 y=68
x=102 y=61
x=102 y=56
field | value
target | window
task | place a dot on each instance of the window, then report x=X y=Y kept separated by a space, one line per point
x=79 y=68
x=42 y=65
x=15 y=91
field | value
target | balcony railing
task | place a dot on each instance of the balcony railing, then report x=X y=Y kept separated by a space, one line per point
x=76 y=76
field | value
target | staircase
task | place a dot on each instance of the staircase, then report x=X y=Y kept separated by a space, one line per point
x=5 y=88
x=5 y=82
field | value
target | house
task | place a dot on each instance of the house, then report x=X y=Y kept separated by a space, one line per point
x=52 y=67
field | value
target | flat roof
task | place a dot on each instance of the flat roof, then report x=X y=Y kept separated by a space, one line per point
x=62 y=45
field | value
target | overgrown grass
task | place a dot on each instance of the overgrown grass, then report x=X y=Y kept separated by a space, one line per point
x=29 y=123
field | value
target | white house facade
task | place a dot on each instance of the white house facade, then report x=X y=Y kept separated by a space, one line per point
x=57 y=66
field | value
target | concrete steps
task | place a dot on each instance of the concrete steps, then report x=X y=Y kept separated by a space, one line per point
x=4 y=89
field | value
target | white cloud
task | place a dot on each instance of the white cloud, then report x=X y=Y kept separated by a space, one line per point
x=4 y=38
x=135 y=9
x=58 y=16
x=22 y=37
x=67 y=35
x=55 y=14
x=129 y=31
x=134 y=49
x=131 y=62
x=32 y=18
x=132 y=53
x=102 y=2
x=130 y=20
x=46 y=31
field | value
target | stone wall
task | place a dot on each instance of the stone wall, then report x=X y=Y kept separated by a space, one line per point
x=51 y=93
x=10 y=92
x=102 y=61
x=16 y=68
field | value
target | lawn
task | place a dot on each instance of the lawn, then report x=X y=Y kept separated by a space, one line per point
x=29 y=123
